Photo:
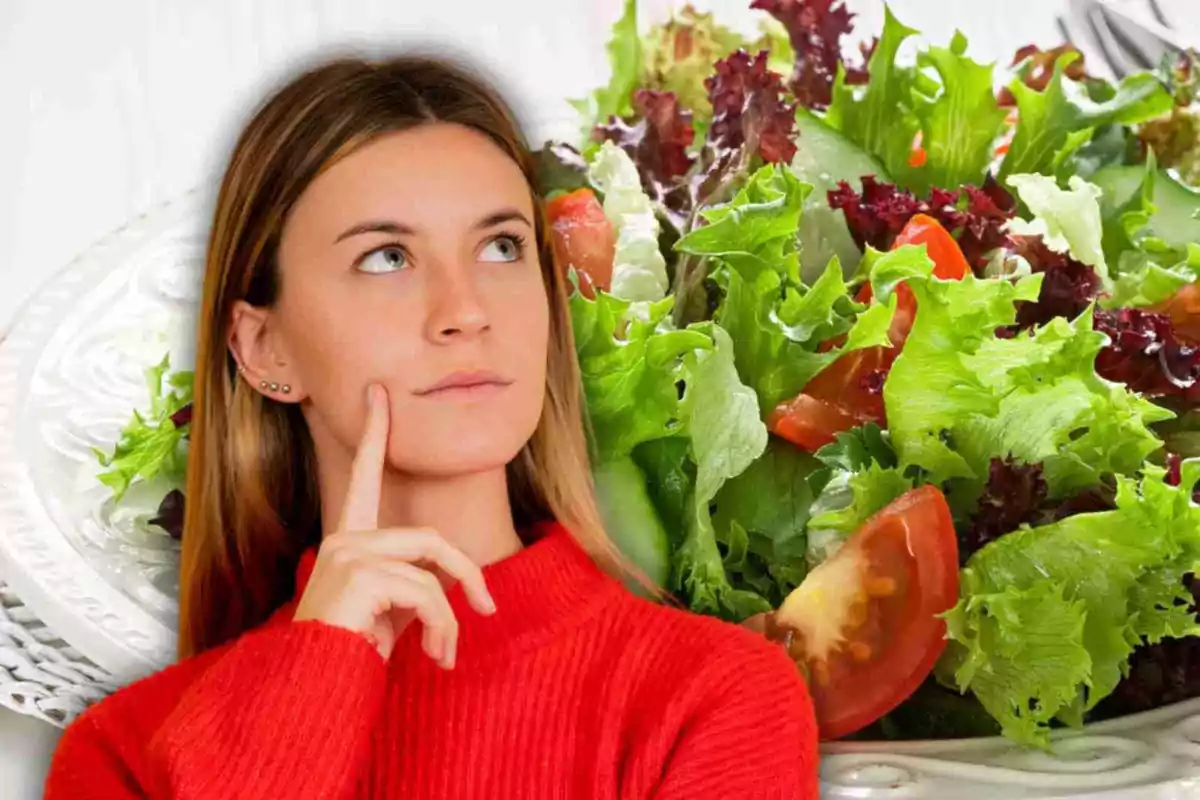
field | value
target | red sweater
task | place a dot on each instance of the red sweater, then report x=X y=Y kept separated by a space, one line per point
x=575 y=688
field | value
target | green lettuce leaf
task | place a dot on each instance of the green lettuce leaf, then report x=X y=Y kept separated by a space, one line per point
x=625 y=65
x=960 y=123
x=670 y=475
x=630 y=370
x=151 y=444
x=777 y=341
x=859 y=448
x=1151 y=282
x=1056 y=122
x=1053 y=408
x=881 y=118
x=1067 y=219
x=862 y=479
x=932 y=387
x=761 y=516
x=777 y=323
x=727 y=436
x=1047 y=617
x=823 y=158
x=631 y=518
x=871 y=490
x=1125 y=221
x=1182 y=434
x=646 y=437
x=958 y=396
x=756 y=231
x=1147 y=268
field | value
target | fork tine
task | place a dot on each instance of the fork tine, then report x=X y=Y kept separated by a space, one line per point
x=1144 y=46
x=1109 y=48
x=1114 y=53
x=1077 y=30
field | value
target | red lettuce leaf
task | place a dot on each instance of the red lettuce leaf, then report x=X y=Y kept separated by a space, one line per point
x=750 y=108
x=1147 y=356
x=1017 y=494
x=1013 y=495
x=1068 y=286
x=1035 y=68
x=657 y=137
x=1159 y=674
x=170 y=514
x=183 y=416
x=974 y=215
x=815 y=29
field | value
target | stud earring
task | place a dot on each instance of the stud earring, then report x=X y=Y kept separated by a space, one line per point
x=275 y=387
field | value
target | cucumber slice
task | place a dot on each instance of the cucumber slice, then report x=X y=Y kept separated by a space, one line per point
x=824 y=157
x=631 y=520
x=1174 y=221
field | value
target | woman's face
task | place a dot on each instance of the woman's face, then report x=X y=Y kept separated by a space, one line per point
x=413 y=263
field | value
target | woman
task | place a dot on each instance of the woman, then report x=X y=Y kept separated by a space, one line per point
x=394 y=580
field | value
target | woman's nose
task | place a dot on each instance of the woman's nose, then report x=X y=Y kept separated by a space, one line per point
x=456 y=310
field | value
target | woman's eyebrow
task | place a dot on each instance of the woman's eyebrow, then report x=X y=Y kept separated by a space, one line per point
x=375 y=226
x=503 y=215
x=400 y=229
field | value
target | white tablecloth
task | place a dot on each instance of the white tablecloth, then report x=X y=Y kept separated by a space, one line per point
x=109 y=108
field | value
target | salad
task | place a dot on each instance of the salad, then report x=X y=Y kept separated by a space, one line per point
x=895 y=361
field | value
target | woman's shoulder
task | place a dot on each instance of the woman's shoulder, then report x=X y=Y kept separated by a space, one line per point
x=139 y=707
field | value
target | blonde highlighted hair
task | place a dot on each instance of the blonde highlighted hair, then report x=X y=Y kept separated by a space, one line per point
x=252 y=500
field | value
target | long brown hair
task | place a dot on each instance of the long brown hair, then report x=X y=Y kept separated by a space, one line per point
x=252 y=500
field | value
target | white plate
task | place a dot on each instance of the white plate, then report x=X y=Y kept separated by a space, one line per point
x=71 y=371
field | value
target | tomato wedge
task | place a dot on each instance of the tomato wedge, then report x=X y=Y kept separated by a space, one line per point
x=864 y=625
x=809 y=423
x=848 y=392
x=949 y=263
x=583 y=239
x=854 y=382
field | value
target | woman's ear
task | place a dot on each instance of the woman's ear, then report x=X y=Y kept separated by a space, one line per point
x=260 y=354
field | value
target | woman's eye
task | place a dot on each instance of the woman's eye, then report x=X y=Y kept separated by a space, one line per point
x=385 y=259
x=502 y=248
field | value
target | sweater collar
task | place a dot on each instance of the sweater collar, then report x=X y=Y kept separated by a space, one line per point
x=546 y=584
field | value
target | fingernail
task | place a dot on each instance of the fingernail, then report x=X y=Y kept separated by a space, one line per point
x=489 y=605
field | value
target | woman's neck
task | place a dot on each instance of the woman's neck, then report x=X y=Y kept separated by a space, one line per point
x=472 y=511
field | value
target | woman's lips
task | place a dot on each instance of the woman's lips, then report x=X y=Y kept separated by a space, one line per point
x=466 y=385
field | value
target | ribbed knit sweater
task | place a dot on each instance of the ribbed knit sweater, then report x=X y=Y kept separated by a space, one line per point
x=575 y=688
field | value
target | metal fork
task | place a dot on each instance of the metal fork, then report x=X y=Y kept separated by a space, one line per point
x=1120 y=37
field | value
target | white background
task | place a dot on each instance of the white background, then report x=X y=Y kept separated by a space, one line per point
x=110 y=108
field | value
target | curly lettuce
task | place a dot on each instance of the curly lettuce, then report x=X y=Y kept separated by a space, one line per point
x=1049 y=616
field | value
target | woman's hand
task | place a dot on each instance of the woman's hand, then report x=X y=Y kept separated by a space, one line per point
x=376 y=582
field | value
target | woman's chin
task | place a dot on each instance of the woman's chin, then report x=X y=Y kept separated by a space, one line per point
x=471 y=453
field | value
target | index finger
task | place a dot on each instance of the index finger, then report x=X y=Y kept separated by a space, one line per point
x=360 y=511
